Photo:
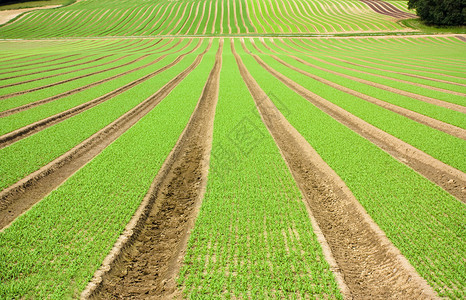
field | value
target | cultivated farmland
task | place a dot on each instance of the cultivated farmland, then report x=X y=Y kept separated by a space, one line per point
x=243 y=149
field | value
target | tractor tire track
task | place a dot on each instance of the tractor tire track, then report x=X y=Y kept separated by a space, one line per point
x=21 y=133
x=142 y=266
x=450 y=179
x=370 y=265
x=21 y=196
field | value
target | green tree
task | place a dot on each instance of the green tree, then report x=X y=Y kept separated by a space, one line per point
x=440 y=12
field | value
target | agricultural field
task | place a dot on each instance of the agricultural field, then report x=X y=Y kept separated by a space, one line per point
x=231 y=149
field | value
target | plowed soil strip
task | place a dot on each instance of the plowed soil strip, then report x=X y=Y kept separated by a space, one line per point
x=145 y=262
x=387 y=9
x=69 y=80
x=11 y=69
x=447 y=177
x=22 y=195
x=21 y=133
x=371 y=74
x=85 y=87
x=55 y=69
x=371 y=266
x=436 y=124
x=60 y=74
x=402 y=73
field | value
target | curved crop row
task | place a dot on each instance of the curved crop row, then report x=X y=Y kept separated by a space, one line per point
x=138 y=18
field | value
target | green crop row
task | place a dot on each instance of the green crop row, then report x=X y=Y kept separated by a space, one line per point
x=332 y=61
x=29 y=154
x=253 y=237
x=436 y=143
x=33 y=96
x=54 y=249
x=35 y=114
x=136 y=18
x=437 y=112
x=423 y=221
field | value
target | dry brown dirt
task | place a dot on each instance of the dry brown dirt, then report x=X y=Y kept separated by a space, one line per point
x=21 y=196
x=371 y=266
x=146 y=266
x=7 y=15
x=445 y=176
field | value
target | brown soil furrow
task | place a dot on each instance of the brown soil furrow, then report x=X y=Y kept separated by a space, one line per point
x=298 y=16
x=279 y=15
x=200 y=19
x=461 y=38
x=21 y=133
x=387 y=9
x=209 y=15
x=163 y=23
x=60 y=74
x=406 y=68
x=146 y=259
x=222 y=12
x=445 y=176
x=262 y=18
x=255 y=14
x=149 y=15
x=405 y=65
x=266 y=7
x=176 y=16
x=180 y=18
x=152 y=19
x=241 y=13
x=230 y=30
x=13 y=60
x=426 y=99
x=11 y=70
x=37 y=63
x=196 y=14
x=88 y=86
x=394 y=79
x=312 y=20
x=436 y=124
x=187 y=19
x=372 y=267
x=19 y=197
x=215 y=17
x=235 y=17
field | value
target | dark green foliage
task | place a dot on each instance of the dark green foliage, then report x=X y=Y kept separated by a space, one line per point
x=440 y=12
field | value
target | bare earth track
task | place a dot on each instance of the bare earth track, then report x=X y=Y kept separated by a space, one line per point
x=388 y=9
x=147 y=264
x=371 y=266
x=25 y=193
x=445 y=176
x=21 y=133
